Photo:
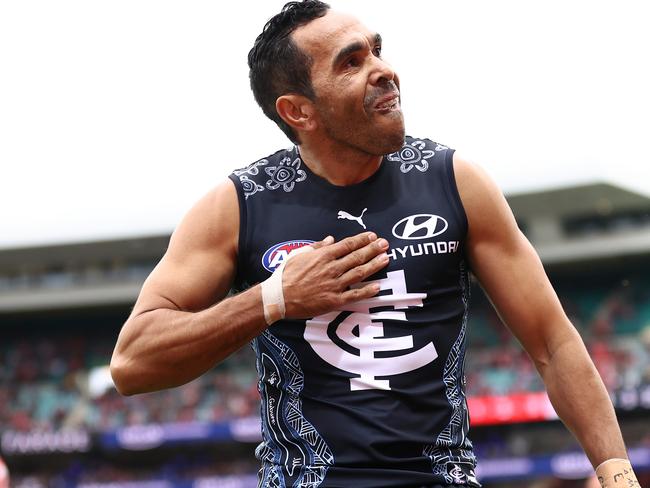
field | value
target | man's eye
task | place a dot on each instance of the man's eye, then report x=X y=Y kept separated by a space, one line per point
x=377 y=51
x=352 y=62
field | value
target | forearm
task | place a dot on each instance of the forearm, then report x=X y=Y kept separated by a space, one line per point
x=581 y=400
x=164 y=348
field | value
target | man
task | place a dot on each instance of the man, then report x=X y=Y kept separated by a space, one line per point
x=360 y=342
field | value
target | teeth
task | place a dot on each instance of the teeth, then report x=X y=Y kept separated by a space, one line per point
x=390 y=104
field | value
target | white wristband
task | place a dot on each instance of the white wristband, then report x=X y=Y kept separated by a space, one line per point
x=616 y=473
x=273 y=293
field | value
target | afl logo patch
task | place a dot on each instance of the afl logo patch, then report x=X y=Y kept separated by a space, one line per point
x=275 y=256
x=420 y=226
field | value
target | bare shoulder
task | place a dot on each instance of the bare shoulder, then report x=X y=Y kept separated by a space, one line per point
x=470 y=178
x=488 y=212
x=200 y=263
x=213 y=222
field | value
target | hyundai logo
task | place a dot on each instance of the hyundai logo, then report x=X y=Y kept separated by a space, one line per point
x=420 y=226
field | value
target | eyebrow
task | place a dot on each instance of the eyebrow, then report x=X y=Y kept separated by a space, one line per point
x=352 y=48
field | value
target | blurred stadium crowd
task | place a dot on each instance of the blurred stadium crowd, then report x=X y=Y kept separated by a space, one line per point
x=46 y=384
x=50 y=385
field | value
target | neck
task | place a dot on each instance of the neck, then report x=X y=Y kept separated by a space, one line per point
x=340 y=166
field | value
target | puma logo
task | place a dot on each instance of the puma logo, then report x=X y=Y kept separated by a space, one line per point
x=344 y=215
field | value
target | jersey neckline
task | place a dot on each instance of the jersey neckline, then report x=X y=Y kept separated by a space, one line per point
x=330 y=187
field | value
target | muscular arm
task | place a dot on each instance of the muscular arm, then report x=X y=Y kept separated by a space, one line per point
x=174 y=317
x=512 y=275
x=181 y=325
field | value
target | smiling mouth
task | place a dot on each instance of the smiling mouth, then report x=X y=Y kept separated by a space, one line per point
x=388 y=105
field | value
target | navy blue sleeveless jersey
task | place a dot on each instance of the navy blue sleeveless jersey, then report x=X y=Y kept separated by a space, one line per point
x=371 y=395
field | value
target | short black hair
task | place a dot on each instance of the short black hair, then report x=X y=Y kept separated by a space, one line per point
x=277 y=66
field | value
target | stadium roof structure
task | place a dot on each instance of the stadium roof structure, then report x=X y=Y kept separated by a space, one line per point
x=126 y=249
x=570 y=227
x=584 y=223
x=77 y=275
x=570 y=201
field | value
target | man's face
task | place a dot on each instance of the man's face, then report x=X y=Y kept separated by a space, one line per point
x=357 y=92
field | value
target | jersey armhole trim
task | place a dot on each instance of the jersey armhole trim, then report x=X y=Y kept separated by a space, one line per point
x=452 y=188
x=242 y=245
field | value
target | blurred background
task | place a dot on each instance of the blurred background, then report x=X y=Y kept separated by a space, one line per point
x=115 y=117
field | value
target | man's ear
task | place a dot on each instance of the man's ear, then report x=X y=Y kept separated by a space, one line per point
x=297 y=111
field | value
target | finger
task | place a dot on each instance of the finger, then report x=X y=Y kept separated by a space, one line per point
x=325 y=242
x=361 y=256
x=362 y=293
x=350 y=244
x=360 y=273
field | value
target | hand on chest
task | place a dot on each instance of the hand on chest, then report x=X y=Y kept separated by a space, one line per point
x=423 y=242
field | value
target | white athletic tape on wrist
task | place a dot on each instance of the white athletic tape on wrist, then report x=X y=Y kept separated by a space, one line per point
x=273 y=293
x=616 y=473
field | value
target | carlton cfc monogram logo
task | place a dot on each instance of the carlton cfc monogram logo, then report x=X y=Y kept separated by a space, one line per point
x=364 y=331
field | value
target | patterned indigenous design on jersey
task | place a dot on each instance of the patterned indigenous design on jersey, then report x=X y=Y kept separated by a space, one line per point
x=252 y=169
x=414 y=155
x=249 y=186
x=455 y=434
x=286 y=174
x=371 y=394
x=305 y=455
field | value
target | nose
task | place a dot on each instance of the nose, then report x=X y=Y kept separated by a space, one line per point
x=382 y=72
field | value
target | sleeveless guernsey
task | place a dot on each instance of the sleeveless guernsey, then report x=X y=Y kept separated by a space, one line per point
x=371 y=395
